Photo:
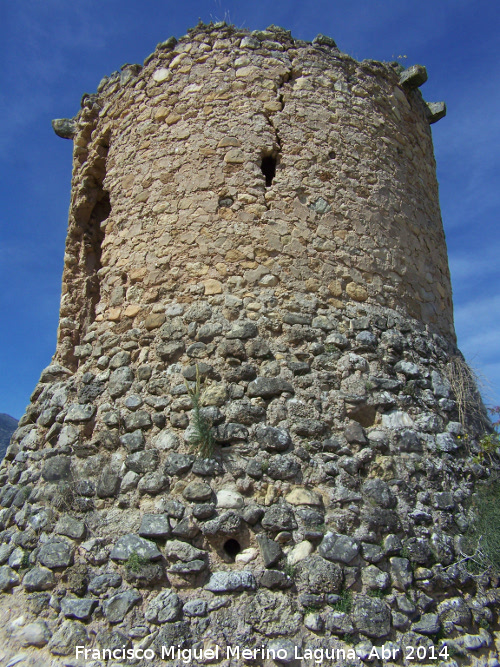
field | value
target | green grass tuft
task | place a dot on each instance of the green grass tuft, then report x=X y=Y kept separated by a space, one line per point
x=135 y=562
x=345 y=602
x=201 y=440
x=483 y=538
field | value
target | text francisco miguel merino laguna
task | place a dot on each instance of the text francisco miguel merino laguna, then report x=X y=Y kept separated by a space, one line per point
x=187 y=655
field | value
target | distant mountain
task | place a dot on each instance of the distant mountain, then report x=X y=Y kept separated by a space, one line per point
x=7 y=427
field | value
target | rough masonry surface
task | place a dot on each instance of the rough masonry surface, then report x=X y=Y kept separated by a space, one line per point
x=256 y=261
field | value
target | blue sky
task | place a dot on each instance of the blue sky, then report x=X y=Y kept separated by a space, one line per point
x=52 y=51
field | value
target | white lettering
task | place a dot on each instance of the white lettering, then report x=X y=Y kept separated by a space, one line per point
x=320 y=654
x=384 y=653
x=132 y=653
x=185 y=654
x=167 y=653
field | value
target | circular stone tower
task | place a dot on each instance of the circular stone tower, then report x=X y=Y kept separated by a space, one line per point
x=248 y=436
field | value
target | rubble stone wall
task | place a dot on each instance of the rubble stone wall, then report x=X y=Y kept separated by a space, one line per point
x=255 y=251
x=175 y=150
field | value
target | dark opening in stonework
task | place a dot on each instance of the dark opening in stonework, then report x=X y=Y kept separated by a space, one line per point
x=92 y=240
x=226 y=202
x=268 y=168
x=232 y=548
x=92 y=207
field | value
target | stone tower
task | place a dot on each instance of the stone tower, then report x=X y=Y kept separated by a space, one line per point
x=247 y=436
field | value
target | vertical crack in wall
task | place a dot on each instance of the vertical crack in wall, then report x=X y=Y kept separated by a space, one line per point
x=271 y=160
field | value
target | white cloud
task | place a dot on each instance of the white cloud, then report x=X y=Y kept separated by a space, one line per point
x=479 y=264
x=477 y=317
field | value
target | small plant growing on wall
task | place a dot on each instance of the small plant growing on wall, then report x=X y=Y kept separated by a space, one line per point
x=344 y=603
x=201 y=439
x=135 y=562
x=489 y=444
x=25 y=561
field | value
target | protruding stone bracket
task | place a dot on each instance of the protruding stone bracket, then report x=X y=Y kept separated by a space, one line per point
x=413 y=77
x=64 y=127
x=435 y=111
x=324 y=40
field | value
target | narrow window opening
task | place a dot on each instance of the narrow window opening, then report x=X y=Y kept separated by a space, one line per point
x=232 y=548
x=92 y=243
x=87 y=230
x=268 y=167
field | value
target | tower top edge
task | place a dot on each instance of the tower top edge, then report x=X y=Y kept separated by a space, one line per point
x=273 y=40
